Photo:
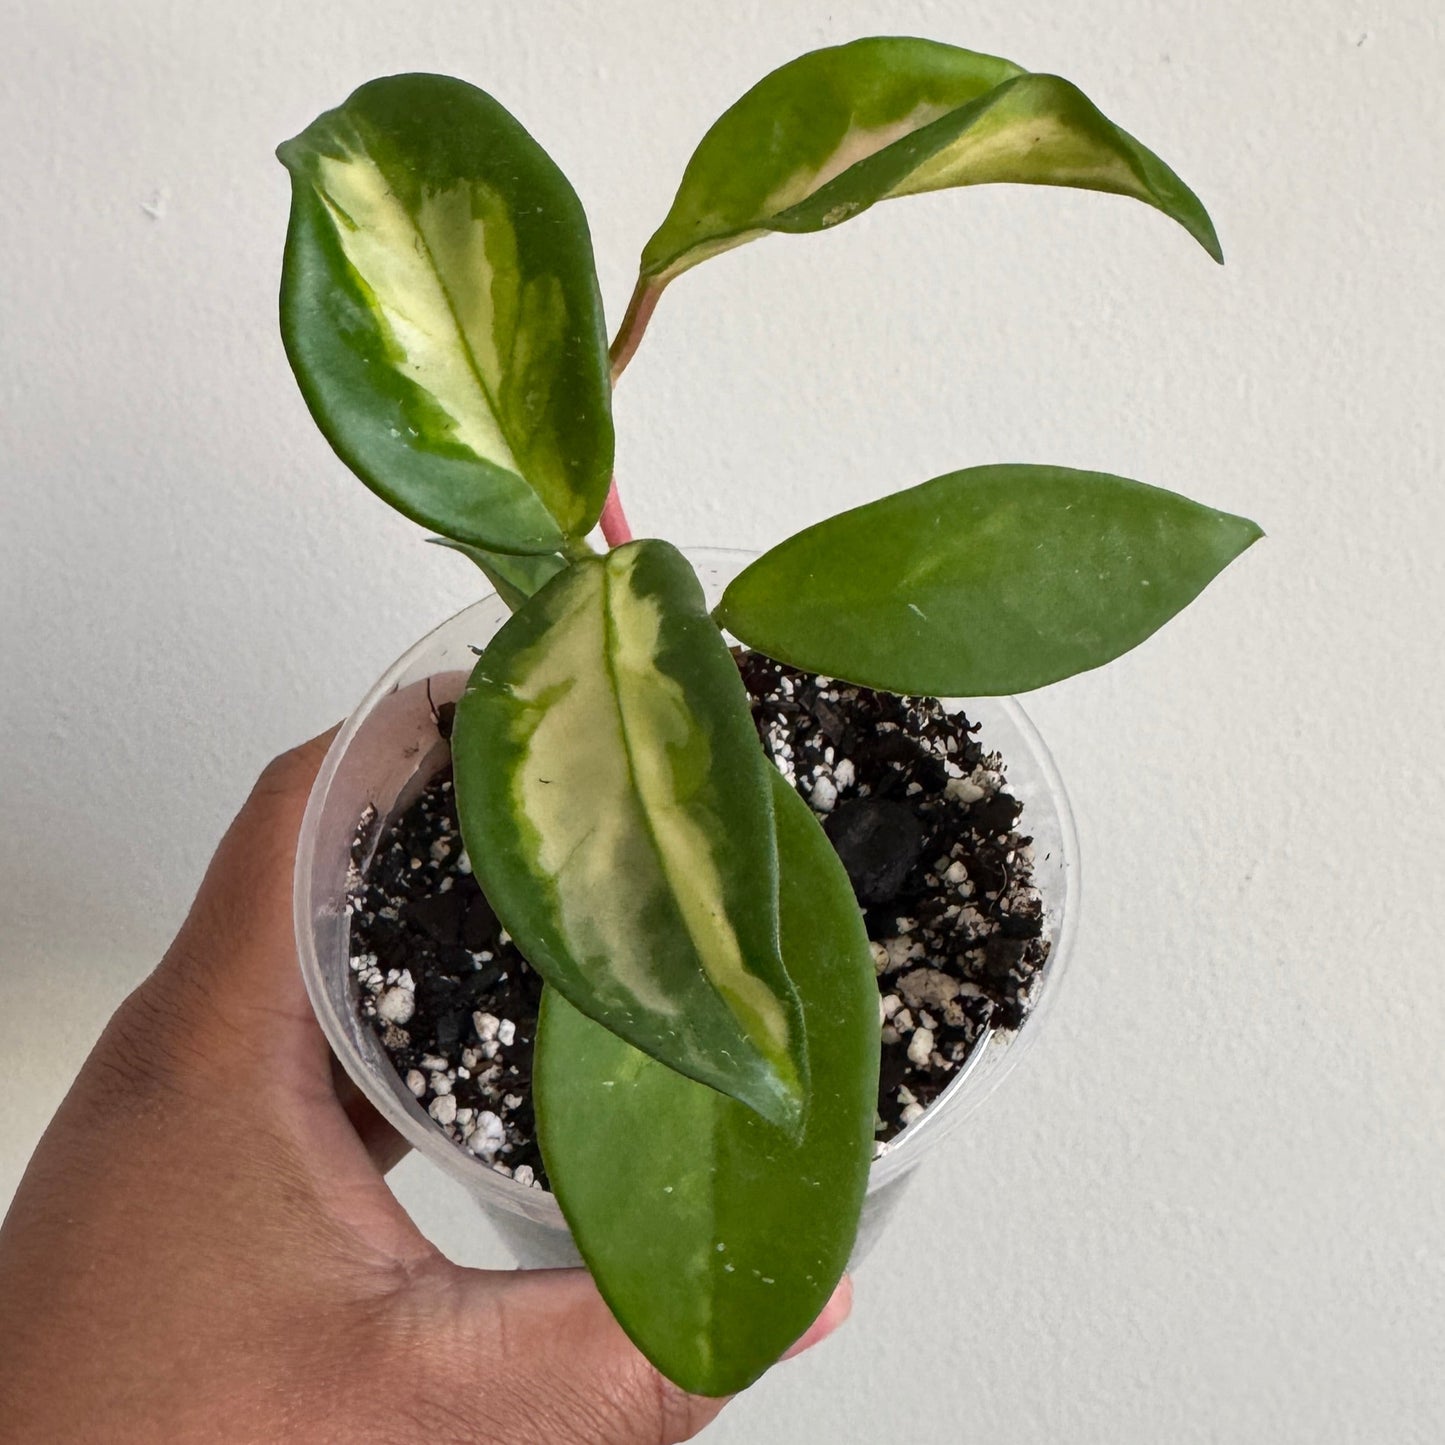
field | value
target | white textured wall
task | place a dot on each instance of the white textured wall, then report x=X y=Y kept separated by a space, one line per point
x=1209 y=1208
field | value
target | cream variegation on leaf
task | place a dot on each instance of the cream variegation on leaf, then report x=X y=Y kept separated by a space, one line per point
x=616 y=807
x=804 y=126
x=830 y=134
x=440 y=309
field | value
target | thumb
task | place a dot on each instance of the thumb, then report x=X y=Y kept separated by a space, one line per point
x=569 y=1370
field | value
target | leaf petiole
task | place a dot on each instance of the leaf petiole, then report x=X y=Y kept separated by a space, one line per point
x=576 y=549
x=614 y=520
x=634 y=322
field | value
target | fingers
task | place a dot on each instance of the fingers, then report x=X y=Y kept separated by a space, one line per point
x=239 y=935
x=224 y=1024
x=228 y=996
x=240 y=927
x=570 y=1371
x=838 y=1308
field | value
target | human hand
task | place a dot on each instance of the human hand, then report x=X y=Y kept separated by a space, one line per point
x=204 y=1248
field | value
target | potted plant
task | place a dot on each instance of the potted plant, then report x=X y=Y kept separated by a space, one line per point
x=703 y=1072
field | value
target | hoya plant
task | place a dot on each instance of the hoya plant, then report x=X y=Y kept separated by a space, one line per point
x=711 y=1012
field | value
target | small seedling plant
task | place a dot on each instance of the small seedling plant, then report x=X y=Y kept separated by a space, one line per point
x=707 y=1051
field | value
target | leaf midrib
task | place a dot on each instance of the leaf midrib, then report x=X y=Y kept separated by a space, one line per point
x=473 y=365
x=609 y=663
x=629 y=752
x=764 y=225
x=713 y=1101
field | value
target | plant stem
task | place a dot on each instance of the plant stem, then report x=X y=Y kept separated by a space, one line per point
x=629 y=336
x=634 y=323
x=614 y=519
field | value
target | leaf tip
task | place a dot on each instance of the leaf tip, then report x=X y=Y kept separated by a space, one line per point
x=1181 y=204
x=1236 y=535
x=782 y=1102
x=1208 y=237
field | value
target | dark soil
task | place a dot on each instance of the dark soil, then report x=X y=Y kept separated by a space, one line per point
x=920 y=817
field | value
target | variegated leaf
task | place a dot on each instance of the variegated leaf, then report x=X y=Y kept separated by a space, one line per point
x=991 y=580
x=715 y=1238
x=616 y=807
x=441 y=312
x=837 y=130
x=516 y=576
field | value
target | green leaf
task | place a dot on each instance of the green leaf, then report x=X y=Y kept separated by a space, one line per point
x=715 y=1238
x=992 y=580
x=440 y=310
x=515 y=576
x=837 y=130
x=616 y=807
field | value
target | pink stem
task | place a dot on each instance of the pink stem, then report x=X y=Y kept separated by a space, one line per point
x=614 y=519
x=629 y=335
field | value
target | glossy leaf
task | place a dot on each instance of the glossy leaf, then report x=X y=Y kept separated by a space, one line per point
x=441 y=312
x=616 y=807
x=992 y=580
x=516 y=576
x=715 y=1238
x=837 y=130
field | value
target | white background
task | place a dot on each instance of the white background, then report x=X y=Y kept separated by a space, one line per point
x=1209 y=1207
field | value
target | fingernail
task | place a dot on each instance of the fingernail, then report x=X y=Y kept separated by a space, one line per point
x=834 y=1313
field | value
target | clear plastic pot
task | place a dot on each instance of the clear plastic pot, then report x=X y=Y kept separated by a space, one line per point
x=389 y=749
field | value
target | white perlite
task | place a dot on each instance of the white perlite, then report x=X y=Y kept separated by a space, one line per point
x=963 y=790
x=929 y=987
x=920 y=1046
x=488 y=1137
x=823 y=796
x=396 y=1005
